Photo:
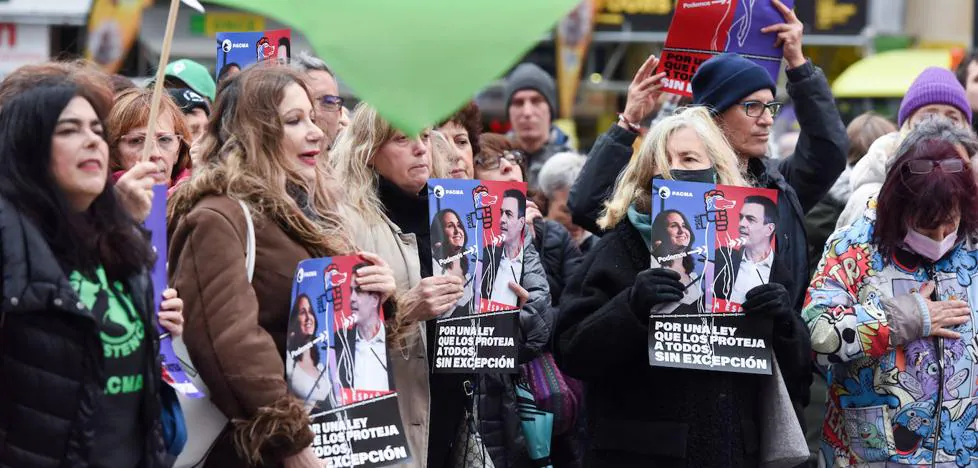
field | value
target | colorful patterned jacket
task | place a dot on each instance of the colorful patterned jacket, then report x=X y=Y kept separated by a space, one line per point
x=892 y=401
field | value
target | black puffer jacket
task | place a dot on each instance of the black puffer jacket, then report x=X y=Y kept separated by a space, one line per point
x=640 y=415
x=51 y=357
x=559 y=254
x=803 y=178
x=495 y=394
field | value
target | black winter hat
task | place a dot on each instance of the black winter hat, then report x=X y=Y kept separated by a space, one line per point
x=188 y=100
x=724 y=80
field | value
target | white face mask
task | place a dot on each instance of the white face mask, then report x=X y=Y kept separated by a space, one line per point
x=927 y=247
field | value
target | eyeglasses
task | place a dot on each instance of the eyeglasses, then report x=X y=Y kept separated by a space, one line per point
x=948 y=166
x=331 y=103
x=167 y=142
x=756 y=108
x=492 y=162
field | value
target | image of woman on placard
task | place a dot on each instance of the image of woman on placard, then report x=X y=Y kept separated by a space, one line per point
x=449 y=242
x=307 y=376
x=672 y=238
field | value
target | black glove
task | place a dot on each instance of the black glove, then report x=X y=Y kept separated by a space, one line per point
x=654 y=287
x=768 y=301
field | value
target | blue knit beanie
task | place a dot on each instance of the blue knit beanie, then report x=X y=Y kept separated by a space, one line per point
x=934 y=86
x=724 y=80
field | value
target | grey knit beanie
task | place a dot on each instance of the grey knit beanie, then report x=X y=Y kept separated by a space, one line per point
x=531 y=76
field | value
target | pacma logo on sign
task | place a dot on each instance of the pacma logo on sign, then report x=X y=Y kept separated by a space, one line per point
x=666 y=192
x=227 y=45
x=303 y=274
x=440 y=191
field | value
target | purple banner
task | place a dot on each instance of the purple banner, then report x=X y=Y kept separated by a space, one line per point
x=702 y=29
x=173 y=374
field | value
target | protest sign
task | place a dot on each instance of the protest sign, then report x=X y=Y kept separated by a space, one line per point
x=336 y=362
x=701 y=29
x=721 y=241
x=238 y=50
x=477 y=233
x=155 y=223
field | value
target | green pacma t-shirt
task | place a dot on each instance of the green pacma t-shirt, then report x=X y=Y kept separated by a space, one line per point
x=119 y=428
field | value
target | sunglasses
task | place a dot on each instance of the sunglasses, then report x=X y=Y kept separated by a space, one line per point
x=947 y=166
x=490 y=163
x=331 y=103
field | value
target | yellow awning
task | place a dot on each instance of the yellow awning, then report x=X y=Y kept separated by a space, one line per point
x=888 y=74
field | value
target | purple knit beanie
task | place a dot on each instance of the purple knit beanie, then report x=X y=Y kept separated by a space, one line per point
x=934 y=86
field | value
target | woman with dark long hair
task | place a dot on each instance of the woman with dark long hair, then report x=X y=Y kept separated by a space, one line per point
x=672 y=239
x=888 y=311
x=449 y=241
x=78 y=340
x=671 y=234
x=302 y=358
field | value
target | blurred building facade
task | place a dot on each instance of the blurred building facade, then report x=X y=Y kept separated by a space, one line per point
x=838 y=33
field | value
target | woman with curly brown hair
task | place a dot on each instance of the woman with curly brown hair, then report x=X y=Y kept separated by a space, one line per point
x=463 y=130
x=262 y=150
x=79 y=348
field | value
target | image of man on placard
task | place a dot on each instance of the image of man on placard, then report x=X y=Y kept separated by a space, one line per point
x=503 y=265
x=751 y=264
x=361 y=348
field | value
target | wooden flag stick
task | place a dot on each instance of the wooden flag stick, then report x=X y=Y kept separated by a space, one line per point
x=154 y=108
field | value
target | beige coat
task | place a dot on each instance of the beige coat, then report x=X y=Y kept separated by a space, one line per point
x=410 y=365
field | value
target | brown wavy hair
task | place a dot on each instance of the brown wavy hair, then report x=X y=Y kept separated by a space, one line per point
x=470 y=118
x=242 y=157
x=82 y=73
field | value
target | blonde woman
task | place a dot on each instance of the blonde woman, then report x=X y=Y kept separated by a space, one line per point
x=680 y=417
x=446 y=160
x=384 y=173
x=262 y=148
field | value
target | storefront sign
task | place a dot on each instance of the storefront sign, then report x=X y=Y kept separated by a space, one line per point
x=210 y=24
x=832 y=17
x=639 y=15
x=23 y=44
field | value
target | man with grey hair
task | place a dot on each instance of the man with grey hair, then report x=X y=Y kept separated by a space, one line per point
x=325 y=93
x=869 y=174
x=556 y=178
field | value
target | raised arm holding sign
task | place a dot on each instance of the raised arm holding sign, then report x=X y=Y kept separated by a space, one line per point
x=700 y=30
x=789 y=35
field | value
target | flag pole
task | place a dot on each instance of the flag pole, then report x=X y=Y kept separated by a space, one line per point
x=154 y=107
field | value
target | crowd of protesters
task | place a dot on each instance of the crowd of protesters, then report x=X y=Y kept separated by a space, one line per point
x=869 y=292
